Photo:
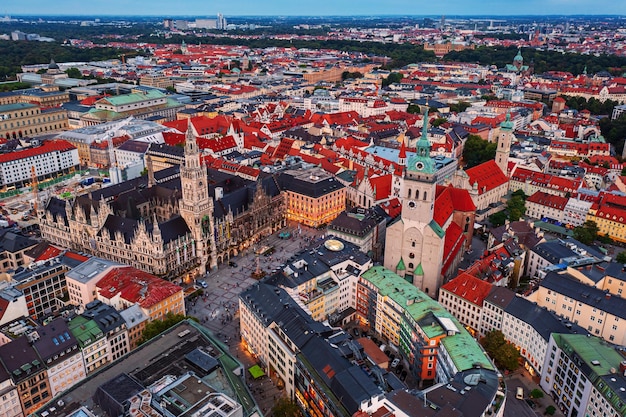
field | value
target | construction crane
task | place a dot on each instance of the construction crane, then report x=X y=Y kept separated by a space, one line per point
x=34 y=184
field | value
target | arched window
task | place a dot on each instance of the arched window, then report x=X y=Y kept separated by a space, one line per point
x=425 y=196
x=417 y=194
x=409 y=196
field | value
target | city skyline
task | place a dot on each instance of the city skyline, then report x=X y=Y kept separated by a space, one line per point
x=320 y=8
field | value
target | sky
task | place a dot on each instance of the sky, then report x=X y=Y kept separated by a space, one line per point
x=210 y=8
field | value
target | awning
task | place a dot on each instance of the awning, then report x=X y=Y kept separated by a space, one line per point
x=256 y=371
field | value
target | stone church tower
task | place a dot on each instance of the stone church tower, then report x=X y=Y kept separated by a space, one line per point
x=414 y=244
x=196 y=205
x=505 y=138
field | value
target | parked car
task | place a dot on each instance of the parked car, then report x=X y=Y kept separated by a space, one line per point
x=203 y=284
x=356 y=332
x=395 y=362
x=531 y=403
x=232 y=264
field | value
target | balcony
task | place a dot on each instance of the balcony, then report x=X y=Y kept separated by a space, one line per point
x=310 y=296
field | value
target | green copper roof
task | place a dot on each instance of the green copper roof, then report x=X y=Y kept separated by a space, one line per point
x=507 y=124
x=421 y=161
x=589 y=350
x=436 y=228
x=134 y=97
x=86 y=331
x=463 y=349
x=401 y=266
x=518 y=57
x=16 y=106
x=419 y=270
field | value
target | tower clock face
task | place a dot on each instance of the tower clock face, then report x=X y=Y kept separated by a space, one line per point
x=419 y=165
x=412 y=204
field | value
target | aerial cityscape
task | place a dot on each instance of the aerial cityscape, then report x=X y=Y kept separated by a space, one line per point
x=341 y=209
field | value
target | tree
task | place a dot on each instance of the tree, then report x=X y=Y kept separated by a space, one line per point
x=347 y=75
x=394 y=77
x=476 y=151
x=498 y=219
x=74 y=73
x=516 y=206
x=285 y=407
x=492 y=341
x=439 y=121
x=621 y=257
x=536 y=393
x=415 y=109
x=157 y=327
x=504 y=354
x=507 y=357
x=586 y=233
x=550 y=410
x=459 y=107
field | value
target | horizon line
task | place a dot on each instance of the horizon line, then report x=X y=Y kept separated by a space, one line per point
x=317 y=15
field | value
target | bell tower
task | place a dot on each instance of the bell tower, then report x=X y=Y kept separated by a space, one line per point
x=504 y=144
x=414 y=244
x=419 y=182
x=196 y=206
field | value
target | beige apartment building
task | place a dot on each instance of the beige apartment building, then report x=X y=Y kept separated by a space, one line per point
x=600 y=313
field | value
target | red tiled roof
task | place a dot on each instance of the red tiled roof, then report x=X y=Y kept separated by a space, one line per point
x=217 y=144
x=76 y=256
x=453 y=243
x=443 y=206
x=48 y=146
x=3 y=306
x=136 y=286
x=393 y=207
x=49 y=253
x=469 y=288
x=487 y=175
x=549 y=200
x=462 y=200
x=173 y=139
x=283 y=148
x=382 y=185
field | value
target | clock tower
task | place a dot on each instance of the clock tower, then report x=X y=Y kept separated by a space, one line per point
x=414 y=244
x=196 y=205
x=504 y=144
x=420 y=178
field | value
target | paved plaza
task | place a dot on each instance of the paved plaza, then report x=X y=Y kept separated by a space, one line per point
x=218 y=311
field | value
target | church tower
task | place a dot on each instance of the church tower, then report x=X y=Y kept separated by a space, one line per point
x=196 y=205
x=419 y=182
x=504 y=144
x=414 y=244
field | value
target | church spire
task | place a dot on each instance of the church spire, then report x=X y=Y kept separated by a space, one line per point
x=191 y=145
x=402 y=154
x=423 y=145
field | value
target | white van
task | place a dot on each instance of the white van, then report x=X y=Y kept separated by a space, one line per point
x=520 y=393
